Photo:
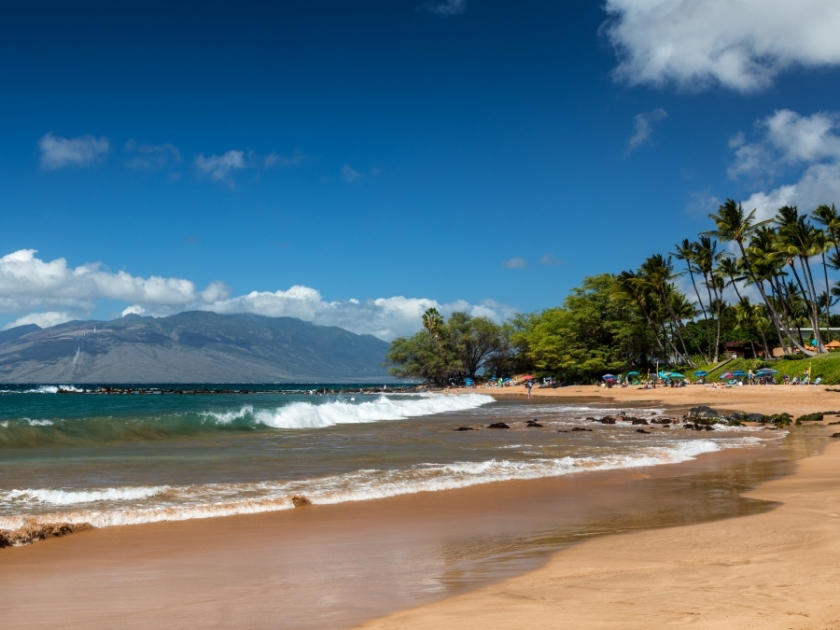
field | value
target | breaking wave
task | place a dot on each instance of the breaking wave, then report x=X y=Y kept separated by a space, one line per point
x=26 y=432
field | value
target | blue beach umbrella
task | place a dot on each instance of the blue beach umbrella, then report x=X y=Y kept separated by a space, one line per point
x=739 y=373
x=766 y=371
x=701 y=373
x=633 y=373
x=675 y=375
x=609 y=377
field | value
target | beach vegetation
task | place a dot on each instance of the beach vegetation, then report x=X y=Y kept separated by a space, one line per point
x=758 y=288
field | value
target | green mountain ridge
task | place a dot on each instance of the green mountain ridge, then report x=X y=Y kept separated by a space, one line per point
x=190 y=347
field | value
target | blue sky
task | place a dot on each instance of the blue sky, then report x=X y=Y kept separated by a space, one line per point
x=355 y=163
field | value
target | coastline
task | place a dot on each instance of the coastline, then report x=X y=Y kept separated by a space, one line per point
x=240 y=571
x=776 y=569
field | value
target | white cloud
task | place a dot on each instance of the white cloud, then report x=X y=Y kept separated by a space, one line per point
x=275 y=159
x=739 y=44
x=643 y=123
x=219 y=167
x=549 y=260
x=786 y=138
x=58 y=152
x=44 y=320
x=152 y=157
x=348 y=174
x=446 y=7
x=515 y=263
x=29 y=284
x=787 y=142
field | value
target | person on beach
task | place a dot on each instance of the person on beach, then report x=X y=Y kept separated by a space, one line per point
x=529 y=384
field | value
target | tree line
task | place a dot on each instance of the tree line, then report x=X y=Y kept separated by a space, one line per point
x=638 y=318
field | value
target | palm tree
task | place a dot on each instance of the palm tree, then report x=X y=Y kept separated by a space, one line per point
x=687 y=252
x=733 y=224
x=658 y=271
x=432 y=322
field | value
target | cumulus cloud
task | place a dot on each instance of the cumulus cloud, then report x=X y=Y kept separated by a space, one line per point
x=515 y=263
x=27 y=282
x=152 y=157
x=738 y=44
x=58 y=152
x=446 y=7
x=787 y=143
x=644 y=127
x=220 y=167
x=30 y=284
x=44 y=320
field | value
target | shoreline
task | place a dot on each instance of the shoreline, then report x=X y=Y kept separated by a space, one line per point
x=776 y=569
x=161 y=569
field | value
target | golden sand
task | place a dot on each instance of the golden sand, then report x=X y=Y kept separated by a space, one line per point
x=779 y=569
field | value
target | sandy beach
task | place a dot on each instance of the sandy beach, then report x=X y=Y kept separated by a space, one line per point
x=339 y=566
x=774 y=570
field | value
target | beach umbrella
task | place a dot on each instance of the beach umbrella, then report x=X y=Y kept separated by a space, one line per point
x=739 y=373
x=663 y=374
x=676 y=375
x=527 y=377
x=727 y=375
x=609 y=377
x=765 y=371
x=701 y=373
x=633 y=373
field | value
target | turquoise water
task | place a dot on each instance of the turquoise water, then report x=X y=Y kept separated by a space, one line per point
x=116 y=459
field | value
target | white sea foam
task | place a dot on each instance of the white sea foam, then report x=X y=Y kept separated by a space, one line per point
x=123 y=506
x=38 y=423
x=305 y=415
x=73 y=497
x=52 y=389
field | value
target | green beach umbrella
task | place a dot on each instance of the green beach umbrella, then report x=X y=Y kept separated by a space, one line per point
x=675 y=375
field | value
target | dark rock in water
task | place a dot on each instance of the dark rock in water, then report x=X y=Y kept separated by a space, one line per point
x=581 y=429
x=300 y=501
x=689 y=425
x=534 y=423
x=702 y=411
x=590 y=419
x=606 y=420
x=830 y=423
x=563 y=431
x=641 y=431
x=464 y=429
x=754 y=417
x=498 y=425
x=638 y=420
x=738 y=415
x=836 y=435
x=810 y=417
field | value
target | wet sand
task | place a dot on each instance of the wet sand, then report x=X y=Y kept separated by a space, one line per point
x=337 y=566
x=777 y=569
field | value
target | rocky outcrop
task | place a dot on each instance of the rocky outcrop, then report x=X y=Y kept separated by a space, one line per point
x=32 y=531
x=498 y=425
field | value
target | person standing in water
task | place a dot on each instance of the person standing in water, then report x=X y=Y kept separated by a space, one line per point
x=529 y=384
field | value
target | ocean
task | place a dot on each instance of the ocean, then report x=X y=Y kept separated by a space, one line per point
x=111 y=460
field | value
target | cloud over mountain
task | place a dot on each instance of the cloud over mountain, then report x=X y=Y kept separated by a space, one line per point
x=48 y=293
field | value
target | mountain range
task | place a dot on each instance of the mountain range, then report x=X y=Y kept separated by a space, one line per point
x=191 y=347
